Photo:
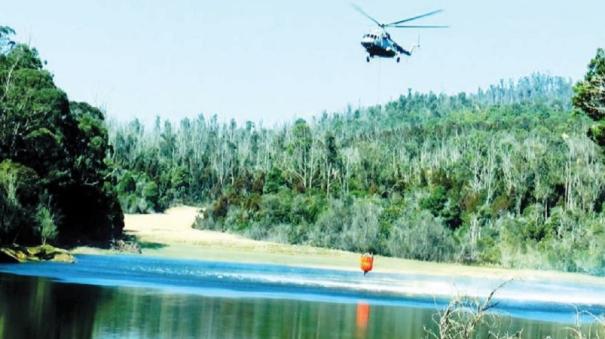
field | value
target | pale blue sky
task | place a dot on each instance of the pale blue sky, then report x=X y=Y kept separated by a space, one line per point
x=274 y=60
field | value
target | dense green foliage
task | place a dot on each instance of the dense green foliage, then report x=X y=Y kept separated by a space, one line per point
x=505 y=176
x=55 y=184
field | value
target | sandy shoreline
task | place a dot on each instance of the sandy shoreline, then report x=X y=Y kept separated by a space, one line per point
x=170 y=235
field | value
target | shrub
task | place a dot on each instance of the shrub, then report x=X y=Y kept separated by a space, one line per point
x=46 y=224
x=327 y=230
x=361 y=232
x=419 y=235
x=18 y=195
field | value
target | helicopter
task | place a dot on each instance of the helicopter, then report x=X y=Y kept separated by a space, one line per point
x=379 y=42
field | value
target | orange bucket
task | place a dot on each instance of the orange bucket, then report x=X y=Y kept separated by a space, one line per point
x=367 y=263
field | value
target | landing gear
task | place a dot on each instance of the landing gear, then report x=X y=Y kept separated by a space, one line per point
x=398 y=59
x=368 y=58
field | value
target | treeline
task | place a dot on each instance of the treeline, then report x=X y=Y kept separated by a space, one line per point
x=55 y=184
x=505 y=176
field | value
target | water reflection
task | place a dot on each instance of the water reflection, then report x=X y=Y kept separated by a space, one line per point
x=33 y=307
x=363 y=315
x=176 y=316
x=38 y=308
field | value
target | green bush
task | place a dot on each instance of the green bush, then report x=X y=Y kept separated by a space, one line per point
x=419 y=235
x=360 y=232
x=46 y=224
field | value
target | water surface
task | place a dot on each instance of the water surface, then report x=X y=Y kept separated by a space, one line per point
x=135 y=296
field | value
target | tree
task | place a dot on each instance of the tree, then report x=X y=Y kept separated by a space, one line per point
x=300 y=148
x=63 y=145
x=589 y=96
x=330 y=159
x=5 y=38
x=47 y=227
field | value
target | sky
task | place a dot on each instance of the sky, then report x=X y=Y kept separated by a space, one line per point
x=272 y=61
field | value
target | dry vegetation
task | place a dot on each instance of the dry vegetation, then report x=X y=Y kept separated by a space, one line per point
x=466 y=318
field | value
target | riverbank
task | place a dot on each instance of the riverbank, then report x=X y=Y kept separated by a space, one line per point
x=171 y=235
x=23 y=254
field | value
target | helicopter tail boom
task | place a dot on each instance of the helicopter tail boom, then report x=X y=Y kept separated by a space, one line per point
x=416 y=45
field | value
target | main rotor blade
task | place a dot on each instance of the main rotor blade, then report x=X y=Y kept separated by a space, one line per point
x=407 y=26
x=415 y=18
x=366 y=15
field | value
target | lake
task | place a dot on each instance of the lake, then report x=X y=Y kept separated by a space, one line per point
x=136 y=296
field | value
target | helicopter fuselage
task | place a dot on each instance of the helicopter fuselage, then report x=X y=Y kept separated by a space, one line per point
x=379 y=43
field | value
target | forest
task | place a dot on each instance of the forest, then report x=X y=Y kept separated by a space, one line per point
x=507 y=176
x=55 y=182
x=511 y=175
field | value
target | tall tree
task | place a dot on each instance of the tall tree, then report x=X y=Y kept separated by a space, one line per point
x=57 y=148
x=589 y=96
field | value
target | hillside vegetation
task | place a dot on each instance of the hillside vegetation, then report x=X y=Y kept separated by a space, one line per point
x=505 y=176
